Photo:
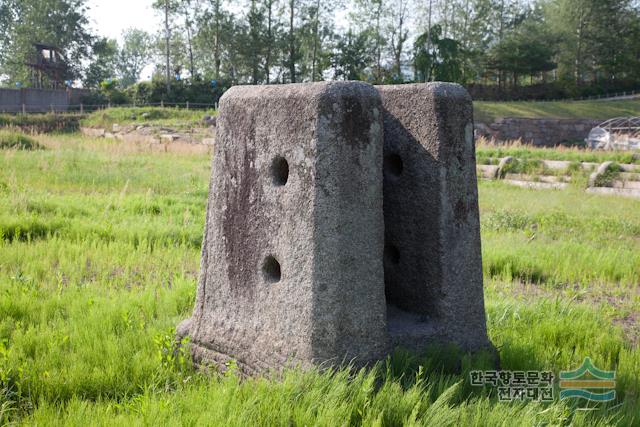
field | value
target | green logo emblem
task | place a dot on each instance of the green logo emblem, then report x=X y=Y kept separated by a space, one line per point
x=588 y=382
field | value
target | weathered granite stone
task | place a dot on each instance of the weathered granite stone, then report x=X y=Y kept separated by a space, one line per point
x=432 y=261
x=291 y=269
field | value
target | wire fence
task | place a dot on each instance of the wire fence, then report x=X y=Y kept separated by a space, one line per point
x=88 y=108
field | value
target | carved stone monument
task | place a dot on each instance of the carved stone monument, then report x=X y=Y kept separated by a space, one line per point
x=305 y=261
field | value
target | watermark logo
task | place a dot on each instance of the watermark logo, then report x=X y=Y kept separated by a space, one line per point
x=517 y=385
x=583 y=381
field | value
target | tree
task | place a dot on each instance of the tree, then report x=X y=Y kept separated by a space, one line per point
x=61 y=23
x=293 y=55
x=133 y=56
x=592 y=35
x=270 y=39
x=103 y=63
x=399 y=35
x=188 y=9
x=368 y=17
x=168 y=9
x=351 y=56
x=526 y=50
x=255 y=42
x=437 y=57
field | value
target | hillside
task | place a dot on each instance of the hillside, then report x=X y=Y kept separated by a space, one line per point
x=487 y=112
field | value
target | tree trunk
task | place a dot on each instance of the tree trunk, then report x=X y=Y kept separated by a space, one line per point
x=427 y=77
x=216 y=42
x=167 y=44
x=378 y=44
x=255 y=40
x=190 y=45
x=315 y=42
x=267 y=60
x=292 y=42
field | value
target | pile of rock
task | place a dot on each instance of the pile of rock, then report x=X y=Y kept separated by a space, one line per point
x=155 y=134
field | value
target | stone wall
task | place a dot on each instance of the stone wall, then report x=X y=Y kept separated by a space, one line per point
x=39 y=100
x=540 y=132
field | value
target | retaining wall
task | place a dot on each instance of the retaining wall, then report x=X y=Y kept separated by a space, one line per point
x=39 y=100
x=540 y=132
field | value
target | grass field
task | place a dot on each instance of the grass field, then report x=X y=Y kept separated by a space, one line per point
x=174 y=117
x=490 y=153
x=487 y=112
x=99 y=258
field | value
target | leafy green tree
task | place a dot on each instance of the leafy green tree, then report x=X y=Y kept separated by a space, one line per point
x=369 y=18
x=61 y=23
x=133 y=56
x=351 y=57
x=438 y=57
x=527 y=50
x=592 y=37
x=103 y=62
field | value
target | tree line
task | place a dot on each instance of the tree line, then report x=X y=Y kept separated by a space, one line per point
x=571 y=46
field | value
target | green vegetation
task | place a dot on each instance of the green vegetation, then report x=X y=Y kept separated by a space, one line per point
x=488 y=112
x=40 y=123
x=175 y=117
x=99 y=259
x=17 y=141
x=611 y=174
x=488 y=153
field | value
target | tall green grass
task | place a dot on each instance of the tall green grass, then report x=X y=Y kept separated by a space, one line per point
x=99 y=259
x=488 y=153
x=10 y=139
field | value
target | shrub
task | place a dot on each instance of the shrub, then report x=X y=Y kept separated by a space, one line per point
x=611 y=174
x=17 y=141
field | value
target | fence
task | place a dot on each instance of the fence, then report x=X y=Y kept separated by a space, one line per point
x=81 y=108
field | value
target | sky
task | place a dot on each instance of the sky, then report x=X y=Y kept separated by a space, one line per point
x=110 y=18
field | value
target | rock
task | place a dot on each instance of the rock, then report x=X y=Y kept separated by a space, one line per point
x=166 y=138
x=601 y=171
x=292 y=269
x=209 y=121
x=93 y=132
x=432 y=257
x=502 y=166
x=303 y=227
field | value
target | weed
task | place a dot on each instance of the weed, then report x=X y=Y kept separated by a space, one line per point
x=17 y=141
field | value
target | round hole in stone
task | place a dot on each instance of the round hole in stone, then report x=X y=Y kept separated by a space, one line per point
x=271 y=269
x=393 y=164
x=280 y=171
x=391 y=254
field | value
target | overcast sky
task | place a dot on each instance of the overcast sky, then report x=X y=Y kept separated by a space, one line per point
x=110 y=17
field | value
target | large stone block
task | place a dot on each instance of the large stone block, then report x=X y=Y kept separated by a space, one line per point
x=432 y=262
x=292 y=269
